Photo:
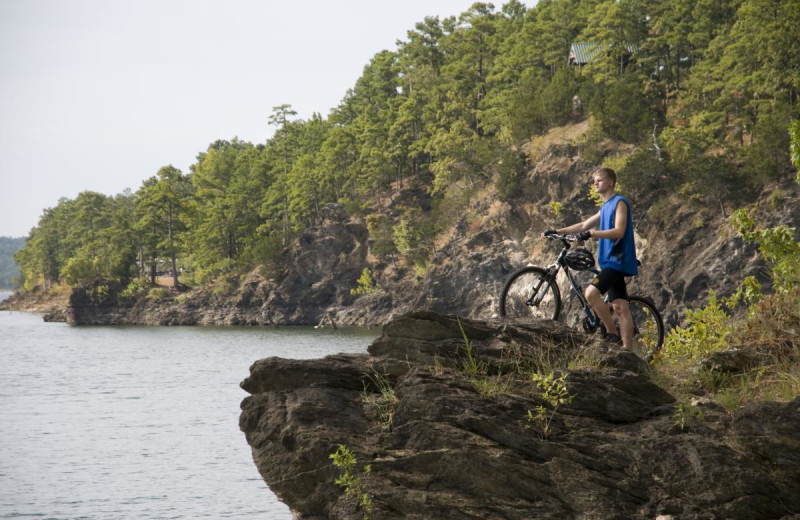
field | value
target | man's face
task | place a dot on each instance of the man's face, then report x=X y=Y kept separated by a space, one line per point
x=602 y=184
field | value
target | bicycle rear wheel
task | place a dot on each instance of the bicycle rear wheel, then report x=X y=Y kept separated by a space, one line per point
x=530 y=293
x=648 y=326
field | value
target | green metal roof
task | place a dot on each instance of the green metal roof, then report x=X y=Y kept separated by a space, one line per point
x=581 y=53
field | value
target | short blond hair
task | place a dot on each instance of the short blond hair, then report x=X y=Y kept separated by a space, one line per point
x=609 y=174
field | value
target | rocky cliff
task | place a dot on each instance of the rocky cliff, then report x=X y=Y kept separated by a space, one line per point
x=686 y=249
x=439 y=431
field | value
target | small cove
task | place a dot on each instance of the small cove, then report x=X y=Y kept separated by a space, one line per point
x=137 y=422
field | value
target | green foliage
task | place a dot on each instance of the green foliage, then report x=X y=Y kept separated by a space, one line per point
x=101 y=292
x=555 y=393
x=686 y=415
x=509 y=173
x=622 y=108
x=366 y=285
x=9 y=272
x=350 y=478
x=777 y=246
x=380 y=229
x=414 y=235
x=706 y=330
x=555 y=208
x=477 y=372
x=643 y=172
x=403 y=237
x=593 y=196
x=794 y=133
x=157 y=294
x=768 y=157
x=420 y=271
x=738 y=392
x=137 y=287
x=80 y=270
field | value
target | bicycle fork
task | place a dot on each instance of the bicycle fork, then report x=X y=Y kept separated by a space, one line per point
x=592 y=320
x=536 y=296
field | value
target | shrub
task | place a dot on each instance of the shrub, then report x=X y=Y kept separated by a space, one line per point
x=707 y=329
x=80 y=270
x=135 y=288
x=555 y=393
x=350 y=479
x=366 y=285
x=157 y=294
x=777 y=246
x=101 y=292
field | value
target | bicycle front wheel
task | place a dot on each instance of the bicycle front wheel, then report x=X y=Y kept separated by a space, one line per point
x=530 y=293
x=648 y=326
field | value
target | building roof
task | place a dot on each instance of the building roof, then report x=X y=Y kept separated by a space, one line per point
x=581 y=53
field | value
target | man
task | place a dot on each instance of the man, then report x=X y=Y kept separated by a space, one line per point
x=616 y=254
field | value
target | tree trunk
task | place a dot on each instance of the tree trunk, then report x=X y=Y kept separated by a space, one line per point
x=172 y=247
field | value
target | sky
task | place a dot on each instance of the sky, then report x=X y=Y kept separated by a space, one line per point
x=99 y=94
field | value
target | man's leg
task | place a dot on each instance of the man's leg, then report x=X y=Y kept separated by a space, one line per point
x=595 y=299
x=625 y=319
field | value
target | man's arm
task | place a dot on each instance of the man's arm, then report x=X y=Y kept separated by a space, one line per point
x=589 y=223
x=620 y=223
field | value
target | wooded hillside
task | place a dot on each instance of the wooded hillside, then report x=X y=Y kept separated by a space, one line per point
x=8 y=269
x=705 y=90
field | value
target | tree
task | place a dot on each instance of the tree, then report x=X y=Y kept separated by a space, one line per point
x=162 y=202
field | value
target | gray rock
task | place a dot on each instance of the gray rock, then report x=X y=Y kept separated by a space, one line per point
x=451 y=453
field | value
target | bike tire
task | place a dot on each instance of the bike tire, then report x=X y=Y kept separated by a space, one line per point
x=519 y=289
x=648 y=326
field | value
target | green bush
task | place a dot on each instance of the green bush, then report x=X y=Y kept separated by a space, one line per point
x=135 y=288
x=555 y=393
x=366 y=285
x=707 y=329
x=777 y=246
x=80 y=270
x=157 y=294
x=350 y=479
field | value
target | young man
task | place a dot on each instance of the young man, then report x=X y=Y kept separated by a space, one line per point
x=616 y=254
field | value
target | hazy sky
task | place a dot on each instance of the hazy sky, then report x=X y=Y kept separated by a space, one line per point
x=99 y=94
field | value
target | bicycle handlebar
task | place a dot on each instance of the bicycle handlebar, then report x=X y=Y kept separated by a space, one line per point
x=565 y=238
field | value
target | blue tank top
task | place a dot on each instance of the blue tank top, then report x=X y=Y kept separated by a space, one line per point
x=617 y=254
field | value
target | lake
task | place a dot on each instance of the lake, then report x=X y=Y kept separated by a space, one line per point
x=137 y=421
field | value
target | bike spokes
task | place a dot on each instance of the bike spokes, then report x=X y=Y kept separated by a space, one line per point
x=530 y=294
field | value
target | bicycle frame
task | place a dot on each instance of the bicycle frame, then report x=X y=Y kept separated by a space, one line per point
x=592 y=320
x=531 y=287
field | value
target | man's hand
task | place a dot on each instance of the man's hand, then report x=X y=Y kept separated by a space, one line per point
x=549 y=232
x=583 y=236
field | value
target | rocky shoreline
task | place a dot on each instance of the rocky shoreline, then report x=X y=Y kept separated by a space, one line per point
x=430 y=441
x=684 y=253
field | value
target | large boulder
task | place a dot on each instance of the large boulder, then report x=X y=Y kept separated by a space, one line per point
x=443 y=412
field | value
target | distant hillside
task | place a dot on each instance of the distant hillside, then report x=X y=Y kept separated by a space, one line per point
x=9 y=269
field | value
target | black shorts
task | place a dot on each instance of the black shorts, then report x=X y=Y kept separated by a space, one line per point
x=612 y=282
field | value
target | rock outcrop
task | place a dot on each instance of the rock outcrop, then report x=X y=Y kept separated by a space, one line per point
x=448 y=434
x=52 y=304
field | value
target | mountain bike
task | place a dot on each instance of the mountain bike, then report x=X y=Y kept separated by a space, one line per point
x=532 y=292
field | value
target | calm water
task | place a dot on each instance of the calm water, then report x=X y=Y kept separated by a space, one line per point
x=136 y=422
